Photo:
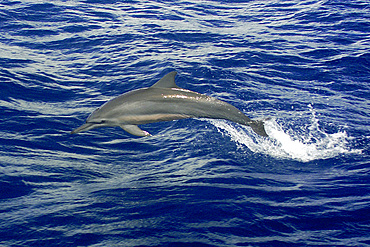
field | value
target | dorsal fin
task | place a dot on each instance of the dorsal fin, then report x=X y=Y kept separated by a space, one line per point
x=167 y=81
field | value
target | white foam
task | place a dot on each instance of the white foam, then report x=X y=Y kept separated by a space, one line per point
x=302 y=142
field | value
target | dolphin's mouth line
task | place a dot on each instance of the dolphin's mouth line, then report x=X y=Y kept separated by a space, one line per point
x=85 y=127
x=90 y=125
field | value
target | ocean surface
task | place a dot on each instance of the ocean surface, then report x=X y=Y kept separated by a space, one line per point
x=303 y=67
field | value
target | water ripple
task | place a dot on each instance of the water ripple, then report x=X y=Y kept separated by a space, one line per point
x=303 y=65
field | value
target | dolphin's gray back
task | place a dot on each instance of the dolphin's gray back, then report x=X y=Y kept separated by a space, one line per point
x=203 y=106
x=150 y=105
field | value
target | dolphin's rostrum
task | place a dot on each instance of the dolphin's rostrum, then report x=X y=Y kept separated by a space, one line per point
x=164 y=101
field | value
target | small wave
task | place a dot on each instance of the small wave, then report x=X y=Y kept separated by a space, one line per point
x=304 y=142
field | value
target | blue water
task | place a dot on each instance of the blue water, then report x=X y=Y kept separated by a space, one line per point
x=302 y=66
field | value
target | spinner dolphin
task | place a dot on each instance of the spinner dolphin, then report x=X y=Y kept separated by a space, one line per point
x=164 y=101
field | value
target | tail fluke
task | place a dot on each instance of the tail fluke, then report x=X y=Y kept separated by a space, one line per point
x=257 y=127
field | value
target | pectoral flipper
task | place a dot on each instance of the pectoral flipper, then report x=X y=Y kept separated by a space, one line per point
x=134 y=130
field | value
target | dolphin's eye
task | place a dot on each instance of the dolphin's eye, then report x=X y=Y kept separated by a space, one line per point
x=97 y=122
